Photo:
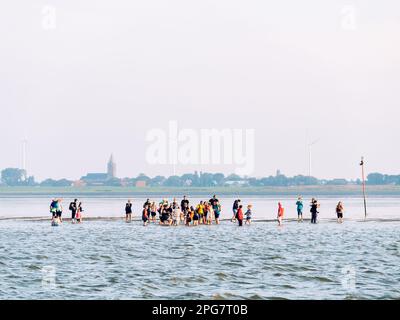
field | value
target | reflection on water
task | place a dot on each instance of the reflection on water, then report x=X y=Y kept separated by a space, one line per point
x=115 y=260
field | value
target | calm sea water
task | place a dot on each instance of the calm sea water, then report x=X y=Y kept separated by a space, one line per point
x=116 y=260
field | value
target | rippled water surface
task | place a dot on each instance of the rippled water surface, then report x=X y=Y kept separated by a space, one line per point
x=116 y=260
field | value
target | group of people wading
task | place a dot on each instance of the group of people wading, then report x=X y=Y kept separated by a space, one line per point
x=206 y=212
x=314 y=206
x=174 y=213
x=56 y=210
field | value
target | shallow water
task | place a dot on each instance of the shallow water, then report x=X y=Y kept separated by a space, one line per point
x=116 y=260
x=263 y=207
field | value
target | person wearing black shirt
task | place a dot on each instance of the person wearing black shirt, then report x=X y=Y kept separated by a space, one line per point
x=73 y=207
x=213 y=201
x=164 y=215
x=128 y=211
x=147 y=203
x=170 y=210
x=314 y=210
x=147 y=206
x=184 y=204
x=235 y=209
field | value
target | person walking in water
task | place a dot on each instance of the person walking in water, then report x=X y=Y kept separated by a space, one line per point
x=200 y=211
x=73 y=207
x=299 y=205
x=188 y=214
x=128 y=211
x=248 y=214
x=59 y=209
x=235 y=209
x=147 y=203
x=314 y=210
x=213 y=201
x=79 y=211
x=217 y=211
x=210 y=214
x=53 y=210
x=206 y=210
x=176 y=215
x=280 y=213
x=239 y=215
x=153 y=212
x=55 y=221
x=145 y=215
x=339 y=212
x=185 y=204
x=195 y=216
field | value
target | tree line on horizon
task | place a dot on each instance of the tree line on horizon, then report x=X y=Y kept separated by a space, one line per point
x=17 y=177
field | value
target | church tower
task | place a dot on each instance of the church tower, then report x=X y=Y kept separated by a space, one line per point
x=111 y=168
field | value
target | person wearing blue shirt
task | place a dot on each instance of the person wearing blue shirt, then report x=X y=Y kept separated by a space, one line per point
x=299 y=205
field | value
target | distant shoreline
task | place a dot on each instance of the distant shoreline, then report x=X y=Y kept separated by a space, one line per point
x=103 y=191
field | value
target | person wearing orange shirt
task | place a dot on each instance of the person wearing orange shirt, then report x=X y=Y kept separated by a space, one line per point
x=240 y=215
x=281 y=211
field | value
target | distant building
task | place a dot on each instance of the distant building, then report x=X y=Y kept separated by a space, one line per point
x=111 y=168
x=98 y=179
x=101 y=179
x=78 y=183
x=140 y=184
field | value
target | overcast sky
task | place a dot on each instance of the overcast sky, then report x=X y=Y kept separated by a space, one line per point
x=96 y=81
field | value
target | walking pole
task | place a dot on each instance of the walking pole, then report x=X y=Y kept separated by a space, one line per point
x=363 y=186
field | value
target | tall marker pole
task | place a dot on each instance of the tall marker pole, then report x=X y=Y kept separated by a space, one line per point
x=363 y=186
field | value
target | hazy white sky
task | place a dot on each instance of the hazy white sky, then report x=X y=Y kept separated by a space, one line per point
x=109 y=71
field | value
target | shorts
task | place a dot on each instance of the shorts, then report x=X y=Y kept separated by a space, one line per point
x=195 y=217
x=145 y=219
x=216 y=215
x=58 y=214
x=299 y=212
x=153 y=214
x=248 y=218
x=340 y=215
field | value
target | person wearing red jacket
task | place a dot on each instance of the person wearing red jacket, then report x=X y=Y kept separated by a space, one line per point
x=240 y=215
x=281 y=210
